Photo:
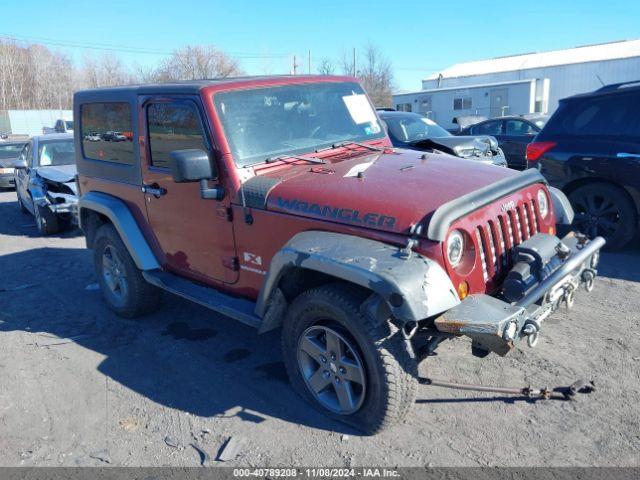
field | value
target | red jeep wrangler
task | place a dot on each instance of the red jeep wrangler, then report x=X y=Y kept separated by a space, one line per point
x=280 y=202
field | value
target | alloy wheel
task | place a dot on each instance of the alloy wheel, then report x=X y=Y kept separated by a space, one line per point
x=113 y=273
x=596 y=215
x=332 y=369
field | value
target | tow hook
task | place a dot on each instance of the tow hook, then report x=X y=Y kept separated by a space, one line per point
x=531 y=330
x=589 y=279
x=558 y=393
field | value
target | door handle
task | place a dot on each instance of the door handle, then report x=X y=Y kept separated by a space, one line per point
x=154 y=189
x=628 y=155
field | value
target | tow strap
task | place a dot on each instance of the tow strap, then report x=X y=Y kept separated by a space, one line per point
x=558 y=393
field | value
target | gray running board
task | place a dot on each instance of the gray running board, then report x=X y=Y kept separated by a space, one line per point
x=236 y=308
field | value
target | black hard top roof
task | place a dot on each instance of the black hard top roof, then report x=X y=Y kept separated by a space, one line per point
x=186 y=86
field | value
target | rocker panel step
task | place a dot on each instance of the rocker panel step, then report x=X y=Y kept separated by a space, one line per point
x=236 y=308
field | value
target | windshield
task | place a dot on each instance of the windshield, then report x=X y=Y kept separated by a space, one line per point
x=413 y=128
x=11 y=151
x=56 y=152
x=293 y=119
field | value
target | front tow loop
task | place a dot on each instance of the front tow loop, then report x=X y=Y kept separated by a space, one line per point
x=557 y=393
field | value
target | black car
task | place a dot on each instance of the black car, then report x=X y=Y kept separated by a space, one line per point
x=590 y=148
x=417 y=132
x=513 y=134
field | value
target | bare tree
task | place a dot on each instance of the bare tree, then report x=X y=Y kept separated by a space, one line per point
x=105 y=71
x=197 y=62
x=326 y=67
x=376 y=75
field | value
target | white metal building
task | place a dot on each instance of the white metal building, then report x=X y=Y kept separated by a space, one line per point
x=30 y=122
x=527 y=83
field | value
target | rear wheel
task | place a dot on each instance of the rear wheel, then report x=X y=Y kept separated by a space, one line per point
x=124 y=288
x=604 y=210
x=46 y=220
x=345 y=364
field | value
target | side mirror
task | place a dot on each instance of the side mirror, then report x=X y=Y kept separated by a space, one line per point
x=191 y=166
x=194 y=166
x=20 y=163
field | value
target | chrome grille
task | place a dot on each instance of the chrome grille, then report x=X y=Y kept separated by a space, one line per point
x=497 y=236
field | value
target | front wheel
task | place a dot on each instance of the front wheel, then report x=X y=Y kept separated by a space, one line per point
x=344 y=363
x=46 y=220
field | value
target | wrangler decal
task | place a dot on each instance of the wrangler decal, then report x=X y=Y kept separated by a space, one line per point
x=344 y=214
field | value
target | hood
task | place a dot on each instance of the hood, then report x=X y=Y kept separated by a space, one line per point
x=460 y=146
x=393 y=192
x=58 y=173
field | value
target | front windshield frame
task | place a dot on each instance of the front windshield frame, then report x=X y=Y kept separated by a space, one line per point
x=42 y=145
x=372 y=130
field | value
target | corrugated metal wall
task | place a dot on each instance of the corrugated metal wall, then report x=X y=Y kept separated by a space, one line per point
x=564 y=80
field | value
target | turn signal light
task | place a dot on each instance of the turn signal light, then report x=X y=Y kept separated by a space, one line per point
x=463 y=290
x=535 y=150
x=552 y=230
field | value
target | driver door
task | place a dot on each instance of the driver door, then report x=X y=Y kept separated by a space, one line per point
x=194 y=235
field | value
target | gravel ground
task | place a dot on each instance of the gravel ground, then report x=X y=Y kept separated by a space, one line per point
x=80 y=386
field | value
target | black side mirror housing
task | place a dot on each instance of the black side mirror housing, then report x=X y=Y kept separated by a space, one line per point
x=194 y=165
x=191 y=166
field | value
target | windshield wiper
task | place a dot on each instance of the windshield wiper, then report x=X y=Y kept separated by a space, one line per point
x=363 y=145
x=284 y=158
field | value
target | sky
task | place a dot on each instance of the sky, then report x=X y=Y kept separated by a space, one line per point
x=418 y=37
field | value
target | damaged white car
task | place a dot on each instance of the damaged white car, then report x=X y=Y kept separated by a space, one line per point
x=45 y=182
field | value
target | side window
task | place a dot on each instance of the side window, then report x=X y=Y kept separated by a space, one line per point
x=107 y=133
x=611 y=115
x=173 y=126
x=488 y=128
x=518 y=127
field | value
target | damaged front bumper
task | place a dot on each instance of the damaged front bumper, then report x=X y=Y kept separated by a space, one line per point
x=494 y=324
x=62 y=204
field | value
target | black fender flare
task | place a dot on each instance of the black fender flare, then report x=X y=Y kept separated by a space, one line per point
x=414 y=287
x=125 y=224
x=561 y=206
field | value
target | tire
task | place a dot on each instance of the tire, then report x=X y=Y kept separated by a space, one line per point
x=123 y=287
x=46 y=220
x=605 y=210
x=386 y=358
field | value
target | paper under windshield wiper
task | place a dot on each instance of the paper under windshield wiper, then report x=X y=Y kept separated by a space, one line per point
x=284 y=158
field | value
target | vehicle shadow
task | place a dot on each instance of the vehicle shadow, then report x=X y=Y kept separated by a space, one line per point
x=24 y=224
x=183 y=357
x=623 y=264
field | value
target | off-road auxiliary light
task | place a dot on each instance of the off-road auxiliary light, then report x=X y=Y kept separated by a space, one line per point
x=528 y=393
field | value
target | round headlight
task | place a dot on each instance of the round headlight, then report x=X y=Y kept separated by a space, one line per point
x=455 y=247
x=543 y=203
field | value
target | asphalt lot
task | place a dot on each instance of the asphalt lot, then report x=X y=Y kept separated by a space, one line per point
x=80 y=386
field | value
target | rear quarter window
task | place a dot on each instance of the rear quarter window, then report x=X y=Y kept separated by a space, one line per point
x=608 y=115
x=107 y=133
